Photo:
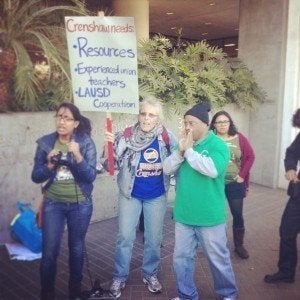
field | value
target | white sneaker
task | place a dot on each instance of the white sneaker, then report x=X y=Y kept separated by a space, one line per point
x=153 y=284
x=116 y=287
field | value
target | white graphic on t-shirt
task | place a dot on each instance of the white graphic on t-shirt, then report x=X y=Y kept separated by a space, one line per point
x=63 y=172
x=151 y=155
x=150 y=168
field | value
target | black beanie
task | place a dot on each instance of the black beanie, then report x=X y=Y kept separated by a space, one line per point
x=200 y=111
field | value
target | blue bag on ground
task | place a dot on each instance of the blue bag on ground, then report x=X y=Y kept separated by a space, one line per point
x=24 y=227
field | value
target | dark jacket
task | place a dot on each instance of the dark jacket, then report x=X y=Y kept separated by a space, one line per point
x=292 y=155
x=84 y=172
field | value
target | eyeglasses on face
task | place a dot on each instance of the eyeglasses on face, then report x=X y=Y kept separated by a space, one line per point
x=222 y=122
x=59 y=118
x=151 y=116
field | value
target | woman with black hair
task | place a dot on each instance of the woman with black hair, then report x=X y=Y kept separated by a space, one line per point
x=65 y=161
x=237 y=174
x=290 y=221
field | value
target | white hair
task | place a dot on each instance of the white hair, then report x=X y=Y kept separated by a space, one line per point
x=151 y=100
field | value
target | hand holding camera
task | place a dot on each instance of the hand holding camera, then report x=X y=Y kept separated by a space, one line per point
x=53 y=158
x=58 y=160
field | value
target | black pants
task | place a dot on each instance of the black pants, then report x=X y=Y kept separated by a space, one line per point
x=289 y=229
x=236 y=208
x=235 y=193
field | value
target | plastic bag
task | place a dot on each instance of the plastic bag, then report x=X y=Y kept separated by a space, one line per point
x=24 y=227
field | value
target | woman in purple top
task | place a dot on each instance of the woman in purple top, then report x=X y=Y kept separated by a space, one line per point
x=237 y=174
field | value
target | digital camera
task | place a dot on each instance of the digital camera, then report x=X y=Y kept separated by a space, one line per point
x=58 y=160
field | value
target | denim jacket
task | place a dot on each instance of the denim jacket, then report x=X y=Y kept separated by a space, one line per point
x=84 y=172
x=126 y=175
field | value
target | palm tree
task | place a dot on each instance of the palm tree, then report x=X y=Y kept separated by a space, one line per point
x=28 y=28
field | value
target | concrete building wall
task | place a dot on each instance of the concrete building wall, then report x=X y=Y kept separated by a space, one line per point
x=18 y=135
x=291 y=82
x=262 y=46
x=137 y=9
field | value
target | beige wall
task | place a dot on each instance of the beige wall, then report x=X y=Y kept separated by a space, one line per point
x=18 y=134
x=137 y=9
x=263 y=36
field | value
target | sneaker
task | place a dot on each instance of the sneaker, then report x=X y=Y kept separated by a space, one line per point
x=153 y=284
x=176 y=298
x=116 y=287
x=279 y=277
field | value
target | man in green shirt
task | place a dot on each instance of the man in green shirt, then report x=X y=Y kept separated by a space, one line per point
x=200 y=206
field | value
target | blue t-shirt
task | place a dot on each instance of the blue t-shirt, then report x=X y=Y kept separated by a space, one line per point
x=149 y=182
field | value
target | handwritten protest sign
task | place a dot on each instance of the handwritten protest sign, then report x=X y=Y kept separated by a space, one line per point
x=103 y=62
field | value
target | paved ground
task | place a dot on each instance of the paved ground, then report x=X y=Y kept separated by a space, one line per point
x=263 y=209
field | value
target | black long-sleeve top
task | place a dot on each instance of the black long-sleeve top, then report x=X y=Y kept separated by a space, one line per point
x=292 y=155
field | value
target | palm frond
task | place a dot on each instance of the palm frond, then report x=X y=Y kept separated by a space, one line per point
x=26 y=83
x=50 y=50
x=33 y=26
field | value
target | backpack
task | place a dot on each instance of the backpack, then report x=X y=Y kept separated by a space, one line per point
x=165 y=136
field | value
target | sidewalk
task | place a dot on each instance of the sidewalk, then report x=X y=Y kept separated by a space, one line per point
x=262 y=211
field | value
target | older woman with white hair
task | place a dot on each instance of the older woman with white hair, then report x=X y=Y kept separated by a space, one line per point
x=139 y=153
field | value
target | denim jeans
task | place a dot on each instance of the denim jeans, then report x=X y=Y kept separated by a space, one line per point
x=55 y=216
x=129 y=214
x=289 y=229
x=213 y=240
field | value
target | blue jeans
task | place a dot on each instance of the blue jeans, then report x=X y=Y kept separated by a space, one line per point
x=213 y=240
x=129 y=214
x=55 y=216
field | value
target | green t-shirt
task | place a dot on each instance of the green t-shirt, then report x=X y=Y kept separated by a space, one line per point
x=233 y=167
x=63 y=188
x=200 y=200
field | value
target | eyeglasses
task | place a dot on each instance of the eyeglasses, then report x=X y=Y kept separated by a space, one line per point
x=58 y=118
x=151 y=116
x=222 y=122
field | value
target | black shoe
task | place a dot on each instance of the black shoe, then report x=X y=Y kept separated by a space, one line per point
x=241 y=252
x=98 y=294
x=279 y=277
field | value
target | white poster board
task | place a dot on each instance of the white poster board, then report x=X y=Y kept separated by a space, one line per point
x=103 y=62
